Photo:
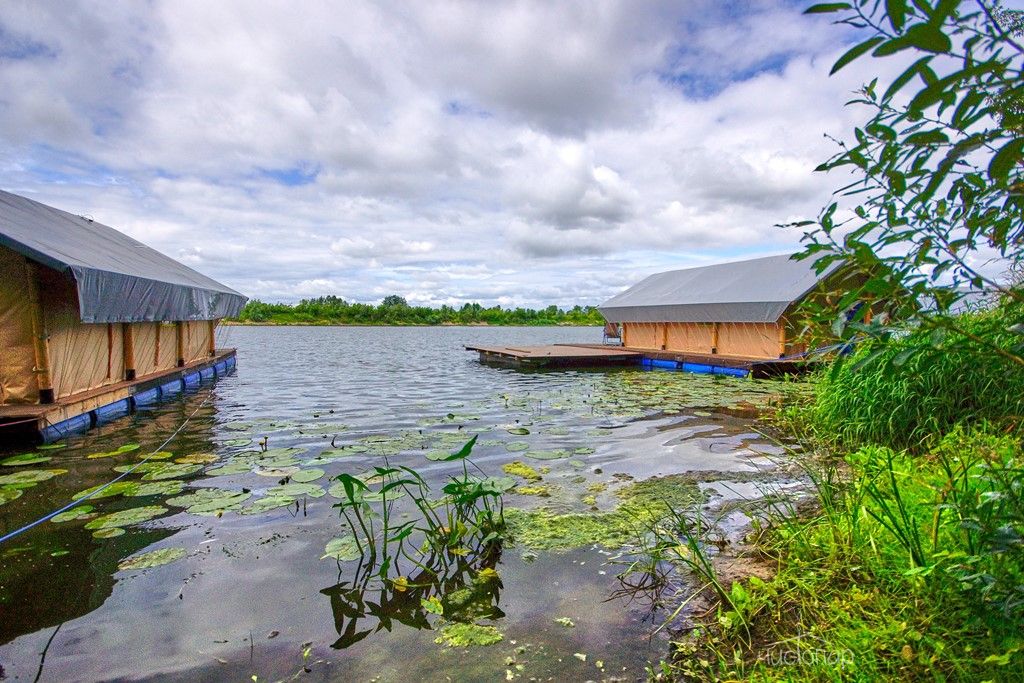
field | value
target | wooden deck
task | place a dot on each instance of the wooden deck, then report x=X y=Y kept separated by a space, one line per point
x=576 y=355
x=27 y=421
x=557 y=355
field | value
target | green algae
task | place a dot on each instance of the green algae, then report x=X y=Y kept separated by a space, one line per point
x=153 y=558
x=468 y=635
x=520 y=469
x=566 y=622
x=541 y=491
x=641 y=503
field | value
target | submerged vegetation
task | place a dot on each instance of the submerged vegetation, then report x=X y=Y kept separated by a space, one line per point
x=332 y=310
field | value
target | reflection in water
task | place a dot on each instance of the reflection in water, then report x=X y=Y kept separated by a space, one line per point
x=254 y=518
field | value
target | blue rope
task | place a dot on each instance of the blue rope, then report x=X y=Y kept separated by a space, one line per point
x=48 y=517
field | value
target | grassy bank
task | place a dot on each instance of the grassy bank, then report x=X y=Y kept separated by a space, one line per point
x=906 y=561
x=330 y=310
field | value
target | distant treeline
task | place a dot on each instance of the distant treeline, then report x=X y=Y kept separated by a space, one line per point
x=332 y=310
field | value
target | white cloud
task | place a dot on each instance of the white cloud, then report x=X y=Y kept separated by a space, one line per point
x=527 y=153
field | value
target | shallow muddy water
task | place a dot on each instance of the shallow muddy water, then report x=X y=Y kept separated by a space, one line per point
x=241 y=589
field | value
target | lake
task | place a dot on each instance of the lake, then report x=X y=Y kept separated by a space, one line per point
x=241 y=587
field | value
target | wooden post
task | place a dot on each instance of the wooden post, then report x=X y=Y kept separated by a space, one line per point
x=782 y=338
x=212 y=341
x=40 y=344
x=179 y=335
x=128 y=338
x=714 y=337
x=156 y=349
x=110 y=350
x=664 y=336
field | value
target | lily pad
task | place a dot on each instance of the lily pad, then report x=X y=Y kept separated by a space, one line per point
x=229 y=469
x=209 y=501
x=127 y=448
x=518 y=431
x=307 y=475
x=345 y=549
x=583 y=450
x=276 y=472
x=517 y=446
x=108 y=533
x=548 y=455
x=267 y=503
x=9 y=493
x=196 y=459
x=118 y=488
x=159 y=455
x=297 y=490
x=26 y=478
x=153 y=558
x=234 y=443
x=125 y=517
x=140 y=467
x=171 y=471
x=169 y=487
x=77 y=512
x=24 y=459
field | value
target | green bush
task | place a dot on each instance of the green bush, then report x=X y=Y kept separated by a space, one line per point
x=906 y=392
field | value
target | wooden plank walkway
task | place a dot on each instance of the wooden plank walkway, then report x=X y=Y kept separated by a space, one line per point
x=576 y=355
x=557 y=355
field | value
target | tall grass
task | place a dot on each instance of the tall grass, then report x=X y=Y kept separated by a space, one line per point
x=907 y=392
x=909 y=565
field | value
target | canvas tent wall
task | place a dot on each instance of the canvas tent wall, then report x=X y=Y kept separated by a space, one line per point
x=734 y=309
x=78 y=299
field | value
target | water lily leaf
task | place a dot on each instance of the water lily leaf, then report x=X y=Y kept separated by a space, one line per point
x=229 y=468
x=230 y=500
x=9 y=493
x=548 y=455
x=108 y=533
x=345 y=549
x=169 y=487
x=276 y=472
x=24 y=459
x=308 y=475
x=556 y=431
x=437 y=455
x=267 y=503
x=171 y=471
x=237 y=426
x=517 y=446
x=297 y=490
x=127 y=448
x=498 y=484
x=116 y=489
x=125 y=517
x=577 y=463
x=159 y=455
x=518 y=431
x=140 y=467
x=196 y=459
x=235 y=443
x=77 y=512
x=28 y=477
x=153 y=558
x=583 y=450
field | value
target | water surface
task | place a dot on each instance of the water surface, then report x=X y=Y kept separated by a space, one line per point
x=251 y=594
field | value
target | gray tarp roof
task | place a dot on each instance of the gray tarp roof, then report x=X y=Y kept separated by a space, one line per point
x=754 y=291
x=118 y=279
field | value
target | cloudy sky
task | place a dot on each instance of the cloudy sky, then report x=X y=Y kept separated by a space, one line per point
x=521 y=153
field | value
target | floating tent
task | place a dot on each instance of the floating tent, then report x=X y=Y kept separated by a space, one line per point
x=742 y=308
x=83 y=306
